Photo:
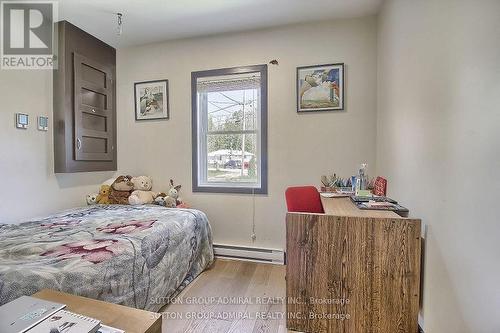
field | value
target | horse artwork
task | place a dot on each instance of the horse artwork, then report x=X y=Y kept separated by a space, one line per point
x=320 y=88
x=151 y=100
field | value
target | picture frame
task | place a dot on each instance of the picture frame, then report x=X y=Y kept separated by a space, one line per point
x=320 y=88
x=151 y=100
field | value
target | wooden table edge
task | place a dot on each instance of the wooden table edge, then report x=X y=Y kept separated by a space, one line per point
x=53 y=296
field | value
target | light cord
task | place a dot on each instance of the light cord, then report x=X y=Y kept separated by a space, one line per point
x=254 y=236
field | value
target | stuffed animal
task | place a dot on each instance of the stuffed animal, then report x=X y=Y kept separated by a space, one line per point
x=160 y=199
x=174 y=192
x=103 y=197
x=120 y=190
x=142 y=183
x=163 y=199
x=170 y=202
x=141 y=197
x=142 y=191
x=91 y=199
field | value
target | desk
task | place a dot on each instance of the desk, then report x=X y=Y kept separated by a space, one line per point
x=352 y=270
x=345 y=207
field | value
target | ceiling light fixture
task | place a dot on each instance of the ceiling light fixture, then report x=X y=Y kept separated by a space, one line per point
x=119 y=28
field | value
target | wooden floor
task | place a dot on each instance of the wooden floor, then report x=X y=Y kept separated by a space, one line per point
x=235 y=296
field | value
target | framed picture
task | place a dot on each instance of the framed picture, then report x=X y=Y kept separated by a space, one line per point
x=151 y=100
x=320 y=88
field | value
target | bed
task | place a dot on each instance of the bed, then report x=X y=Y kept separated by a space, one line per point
x=138 y=256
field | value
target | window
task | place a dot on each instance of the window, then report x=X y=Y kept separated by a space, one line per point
x=230 y=130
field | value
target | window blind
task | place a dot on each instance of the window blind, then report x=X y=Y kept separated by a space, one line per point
x=229 y=83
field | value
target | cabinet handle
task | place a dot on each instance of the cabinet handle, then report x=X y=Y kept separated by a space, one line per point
x=78 y=143
x=93 y=110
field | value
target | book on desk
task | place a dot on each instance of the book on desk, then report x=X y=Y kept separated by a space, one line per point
x=371 y=202
x=28 y=314
x=379 y=203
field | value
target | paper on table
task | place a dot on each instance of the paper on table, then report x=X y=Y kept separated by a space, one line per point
x=378 y=204
x=333 y=195
x=108 y=329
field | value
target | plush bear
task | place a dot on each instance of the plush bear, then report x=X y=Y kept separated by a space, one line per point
x=141 y=197
x=120 y=190
x=142 y=191
x=91 y=199
x=103 y=197
x=142 y=183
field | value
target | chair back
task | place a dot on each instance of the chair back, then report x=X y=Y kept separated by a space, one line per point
x=304 y=199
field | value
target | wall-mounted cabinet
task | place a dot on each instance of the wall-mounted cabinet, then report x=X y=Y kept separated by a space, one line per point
x=84 y=103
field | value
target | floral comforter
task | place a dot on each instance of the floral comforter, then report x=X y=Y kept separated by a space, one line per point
x=132 y=255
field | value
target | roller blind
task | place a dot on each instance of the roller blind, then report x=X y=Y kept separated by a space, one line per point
x=228 y=83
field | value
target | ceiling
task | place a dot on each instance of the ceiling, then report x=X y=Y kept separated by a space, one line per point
x=147 y=21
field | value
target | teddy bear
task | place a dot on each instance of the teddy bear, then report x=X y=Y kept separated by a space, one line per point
x=142 y=193
x=142 y=183
x=141 y=197
x=103 y=196
x=91 y=199
x=120 y=190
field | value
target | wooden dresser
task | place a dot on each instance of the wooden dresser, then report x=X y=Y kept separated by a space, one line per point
x=352 y=270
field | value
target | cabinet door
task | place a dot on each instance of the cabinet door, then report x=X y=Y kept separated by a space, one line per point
x=93 y=110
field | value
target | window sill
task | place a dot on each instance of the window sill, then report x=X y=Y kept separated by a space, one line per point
x=227 y=189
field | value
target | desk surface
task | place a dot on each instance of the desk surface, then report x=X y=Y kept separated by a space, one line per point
x=345 y=207
x=129 y=319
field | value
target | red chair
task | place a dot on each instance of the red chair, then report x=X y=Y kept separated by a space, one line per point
x=304 y=199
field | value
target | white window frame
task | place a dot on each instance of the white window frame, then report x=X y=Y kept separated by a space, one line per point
x=200 y=133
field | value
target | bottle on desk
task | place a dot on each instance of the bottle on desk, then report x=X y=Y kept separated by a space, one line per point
x=361 y=179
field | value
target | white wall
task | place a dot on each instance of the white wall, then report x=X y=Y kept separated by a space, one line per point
x=302 y=147
x=439 y=145
x=29 y=186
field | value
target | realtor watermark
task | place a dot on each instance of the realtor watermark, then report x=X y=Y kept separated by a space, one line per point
x=242 y=300
x=241 y=308
x=250 y=315
x=27 y=34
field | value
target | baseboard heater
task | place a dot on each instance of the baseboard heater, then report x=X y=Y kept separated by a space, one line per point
x=257 y=254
